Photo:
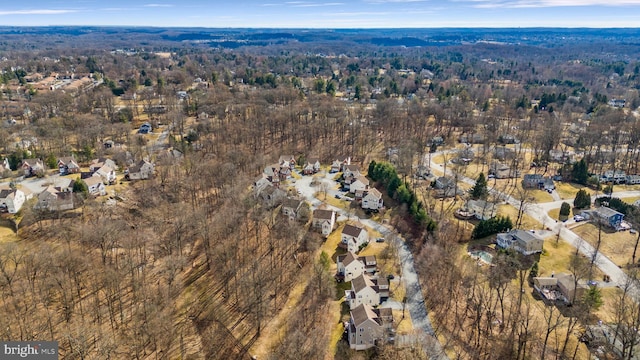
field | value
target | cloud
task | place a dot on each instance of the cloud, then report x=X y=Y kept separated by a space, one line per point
x=393 y=1
x=491 y=4
x=37 y=12
x=317 y=4
x=159 y=5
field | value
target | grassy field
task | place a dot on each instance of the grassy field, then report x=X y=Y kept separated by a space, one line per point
x=7 y=234
x=556 y=258
x=567 y=190
x=527 y=221
x=617 y=246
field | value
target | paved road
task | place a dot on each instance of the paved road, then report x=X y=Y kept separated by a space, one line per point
x=539 y=212
x=415 y=299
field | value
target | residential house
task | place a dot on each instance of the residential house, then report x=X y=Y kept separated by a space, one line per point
x=95 y=186
x=260 y=183
x=272 y=173
x=351 y=171
x=287 y=161
x=68 y=165
x=32 y=167
x=619 y=103
x=358 y=183
x=508 y=139
x=353 y=237
x=366 y=290
x=140 y=171
x=481 y=210
x=55 y=199
x=349 y=266
x=524 y=242
x=312 y=166
x=324 y=220
x=107 y=174
x=423 y=171
x=145 y=128
x=464 y=156
x=503 y=171
x=633 y=179
x=339 y=163
x=11 y=200
x=100 y=162
x=532 y=181
x=618 y=177
x=270 y=196
x=290 y=208
x=446 y=187
x=561 y=287
x=367 y=326
x=608 y=216
x=373 y=200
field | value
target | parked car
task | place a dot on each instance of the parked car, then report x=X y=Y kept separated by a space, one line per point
x=390 y=277
x=337 y=196
x=380 y=239
x=578 y=218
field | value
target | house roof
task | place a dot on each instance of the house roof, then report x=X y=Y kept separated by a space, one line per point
x=362 y=313
x=362 y=179
x=136 y=168
x=312 y=160
x=361 y=282
x=567 y=281
x=94 y=180
x=291 y=203
x=606 y=212
x=352 y=230
x=546 y=281
x=7 y=193
x=525 y=236
x=368 y=259
x=67 y=160
x=374 y=192
x=353 y=168
x=347 y=258
x=323 y=214
x=32 y=162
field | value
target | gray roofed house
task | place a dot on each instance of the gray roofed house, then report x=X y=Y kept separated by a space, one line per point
x=353 y=237
x=324 y=220
x=524 y=242
x=608 y=216
x=290 y=208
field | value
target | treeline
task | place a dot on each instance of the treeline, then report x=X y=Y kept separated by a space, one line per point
x=386 y=174
x=491 y=226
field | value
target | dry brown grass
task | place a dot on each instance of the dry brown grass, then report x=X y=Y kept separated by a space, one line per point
x=617 y=246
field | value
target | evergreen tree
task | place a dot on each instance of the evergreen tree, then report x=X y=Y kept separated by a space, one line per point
x=480 y=190
x=580 y=173
x=80 y=186
x=582 y=200
x=565 y=209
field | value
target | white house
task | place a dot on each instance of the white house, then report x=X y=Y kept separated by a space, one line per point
x=55 y=199
x=349 y=266
x=140 y=171
x=106 y=173
x=373 y=200
x=95 y=186
x=353 y=237
x=351 y=171
x=11 y=200
x=324 y=220
x=311 y=167
x=100 y=162
x=359 y=183
x=524 y=242
x=366 y=290
x=68 y=165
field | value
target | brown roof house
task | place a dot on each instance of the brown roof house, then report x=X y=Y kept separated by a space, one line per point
x=561 y=287
x=55 y=199
x=351 y=171
x=312 y=166
x=351 y=266
x=68 y=165
x=366 y=290
x=367 y=326
x=290 y=208
x=524 y=242
x=324 y=220
x=32 y=167
x=353 y=237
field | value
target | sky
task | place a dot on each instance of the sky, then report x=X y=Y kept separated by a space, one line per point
x=323 y=13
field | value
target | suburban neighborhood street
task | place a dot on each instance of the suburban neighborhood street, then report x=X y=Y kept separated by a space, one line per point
x=415 y=300
x=539 y=212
